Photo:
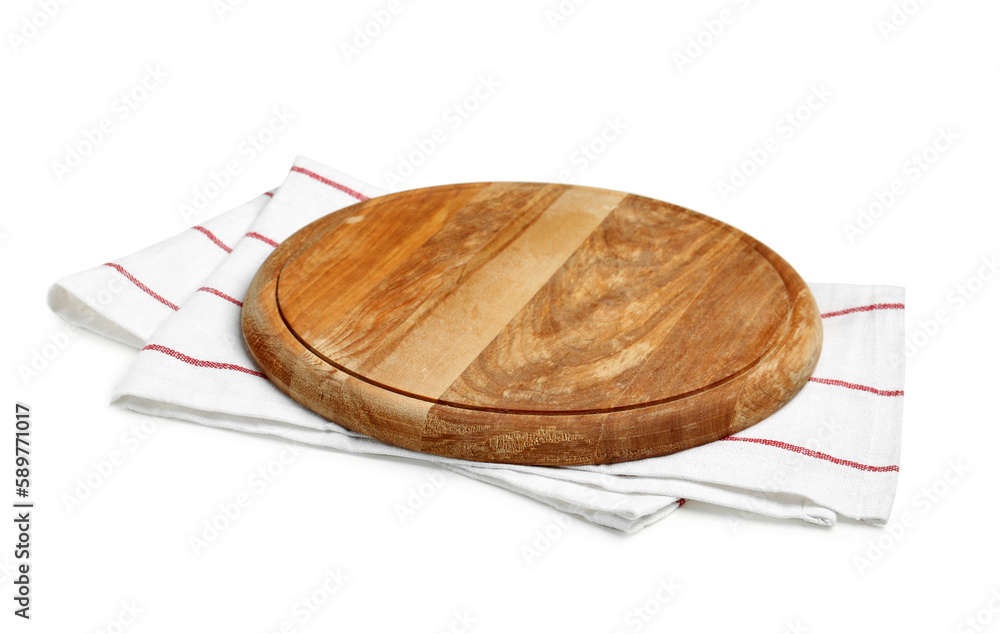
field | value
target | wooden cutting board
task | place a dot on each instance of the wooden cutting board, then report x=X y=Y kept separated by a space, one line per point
x=532 y=323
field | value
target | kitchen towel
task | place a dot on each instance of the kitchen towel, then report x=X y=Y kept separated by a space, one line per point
x=833 y=450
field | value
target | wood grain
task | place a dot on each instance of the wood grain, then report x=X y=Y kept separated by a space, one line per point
x=532 y=323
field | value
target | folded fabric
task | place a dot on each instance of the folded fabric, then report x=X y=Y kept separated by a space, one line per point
x=113 y=301
x=833 y=450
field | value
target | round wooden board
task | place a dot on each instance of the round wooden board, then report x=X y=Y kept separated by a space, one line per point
x=532 y=323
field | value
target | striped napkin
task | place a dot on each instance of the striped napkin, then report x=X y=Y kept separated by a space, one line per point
x=833 y=450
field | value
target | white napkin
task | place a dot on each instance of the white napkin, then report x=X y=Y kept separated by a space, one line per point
x=833 y=450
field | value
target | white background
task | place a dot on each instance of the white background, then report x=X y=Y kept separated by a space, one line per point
x=686 y=128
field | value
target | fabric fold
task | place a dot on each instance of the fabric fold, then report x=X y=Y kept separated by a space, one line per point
x=832 y=451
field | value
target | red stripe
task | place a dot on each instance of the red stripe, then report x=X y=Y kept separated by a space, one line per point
x=863 y=309
x=211 y=236
x=264 y=239
x=855 y=386
x=269 y=194
x=218 y=293
x=327 y=181
x=202 y=364
x=145 y=289
x=813 y=454
x=681 y=502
